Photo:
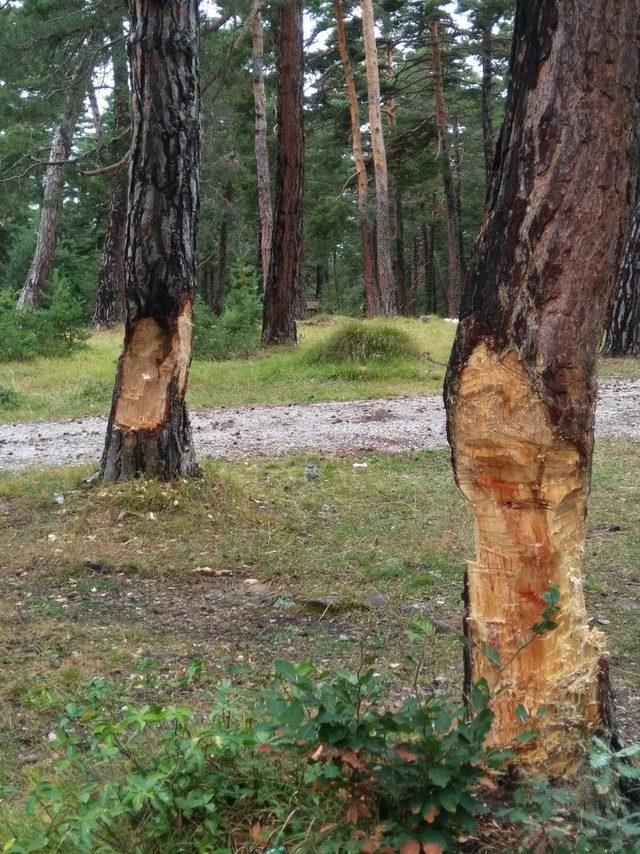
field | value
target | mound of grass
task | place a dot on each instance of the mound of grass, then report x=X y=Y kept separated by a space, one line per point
x=364 y=341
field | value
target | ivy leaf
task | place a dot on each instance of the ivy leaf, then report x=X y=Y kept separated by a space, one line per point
x=493 y=655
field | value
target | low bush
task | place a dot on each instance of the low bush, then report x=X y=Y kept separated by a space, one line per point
x=235 y=332
x=10 y=398
x=364 y=341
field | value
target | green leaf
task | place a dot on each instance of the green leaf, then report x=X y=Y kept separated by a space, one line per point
x=527 y=735
x=492 y=654
x=440 y=776
x=521 y=714
x=480 y=694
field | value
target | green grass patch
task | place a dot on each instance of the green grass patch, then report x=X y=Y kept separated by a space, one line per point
x=364 y=341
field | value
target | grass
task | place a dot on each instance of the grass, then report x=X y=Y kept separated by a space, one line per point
x=310 y=570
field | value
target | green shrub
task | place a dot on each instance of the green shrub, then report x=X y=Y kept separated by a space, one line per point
x=364 y=341
x=10 y=398
x=235 y=332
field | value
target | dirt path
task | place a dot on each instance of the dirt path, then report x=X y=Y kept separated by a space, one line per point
x=400 y=424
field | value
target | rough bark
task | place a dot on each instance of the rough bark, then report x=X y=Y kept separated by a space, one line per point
x=51 y=207
x=455 y=273
x=487 y=98
x=148 y=430
x=260 y=141
x=623 y=333
x=386 y=285
x=111 y=272
x=218 y=293
x=520 y=389
x=282 y=288
x=370 y=284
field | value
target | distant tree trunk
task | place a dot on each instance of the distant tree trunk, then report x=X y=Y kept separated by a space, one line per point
x=412 y=304
x=319 y=280
x=623 y=334
x=457 y=182
x=399 y=273
x=111 y=273
x=51 y=207
x=218 y=293
x=454 y=286
x=260 y=141
x=429 y=270
x=278 y=323
x=487 y=99
x=521 y=384
x=386 y=284
x=370 y=285
x=148 y=430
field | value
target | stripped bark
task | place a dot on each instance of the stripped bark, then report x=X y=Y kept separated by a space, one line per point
x=521 y=386
x=148 y=430
x=386 y=285
x=455 y=271
x=282 y=288
x=623 y=333
x=372 y=296
x=260 y=140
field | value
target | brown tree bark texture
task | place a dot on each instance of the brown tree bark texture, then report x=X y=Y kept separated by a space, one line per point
x=520 y=389
x=454 y=286
x=623 y=334
x=487 y=98
x=386 y=284
x=400 y=272
x=281 y=292
x=372 y=296
x=148 y=430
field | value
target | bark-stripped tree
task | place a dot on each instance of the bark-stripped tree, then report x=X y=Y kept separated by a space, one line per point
x=386 y=286
x=149 y=430
x=623 y=334
x=111 y=272
x=455 y=265
x=520 y=389
x=372 y=297
x=283 y=282
x=260 y=140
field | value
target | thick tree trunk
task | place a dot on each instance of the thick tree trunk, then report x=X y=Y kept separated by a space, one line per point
x=149 y=431
x=386 y=286
x=623 y=334
x=454 y=287
x=260 y=141
x=521 y=388
x=111 y=273
x=370 y=284
x=51 y=207
x=487 y=99
x=278 y=322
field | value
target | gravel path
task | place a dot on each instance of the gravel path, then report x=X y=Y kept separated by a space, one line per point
x=399 y=424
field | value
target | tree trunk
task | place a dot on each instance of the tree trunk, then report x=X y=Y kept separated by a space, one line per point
x=370 y=285
x=412 y=306
x=457 y=183
x=487 y=98
x=454 y=287
x=149 y=431
x=260 y=141
x=51 y=208
x=521 y=388
x=429 y=271
x=218 y=294
x=399 y=272
x=386 y=285
x=278 y=323
x=623 y=334
x=111 y=273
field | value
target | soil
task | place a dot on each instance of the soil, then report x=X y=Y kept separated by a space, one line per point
x=392 y=426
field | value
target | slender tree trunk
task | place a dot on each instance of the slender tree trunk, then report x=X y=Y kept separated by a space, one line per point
x=487 y=99
x=370 y=285
x=399 y=272
x=623 y=334
x=260 y=141
x=278 y=323
x=412 y=306
x=454 y=287
x=386 y=284
x=457 y=183
x=111 y=273
x=521 y=385
x=218 y=294
x=149 y=431
x=429 y=272
x=51 y=207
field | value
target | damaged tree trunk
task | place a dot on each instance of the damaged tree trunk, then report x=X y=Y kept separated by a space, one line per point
x=283 y=283
x=372 y=296
x=148 y=430
x=623 y=334
x=520 y=389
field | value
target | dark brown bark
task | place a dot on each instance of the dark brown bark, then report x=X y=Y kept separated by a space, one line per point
x=623 y=333
x=278 y=324
x=384 y=268
x=455 y=272
x=429 y=269
x=51 y=206
x=370 y=282
x=412 y=302
x=521 y=384
x=149 y=431
x=487 y=98
x=260 y=141
x=111 y=272
x=218 y=293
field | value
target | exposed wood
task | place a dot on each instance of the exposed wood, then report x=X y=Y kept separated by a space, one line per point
x=623 y=332
x=283 y=283
x=148 y=430
x=372 y=296
x=384 y=269
x=520 y=388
